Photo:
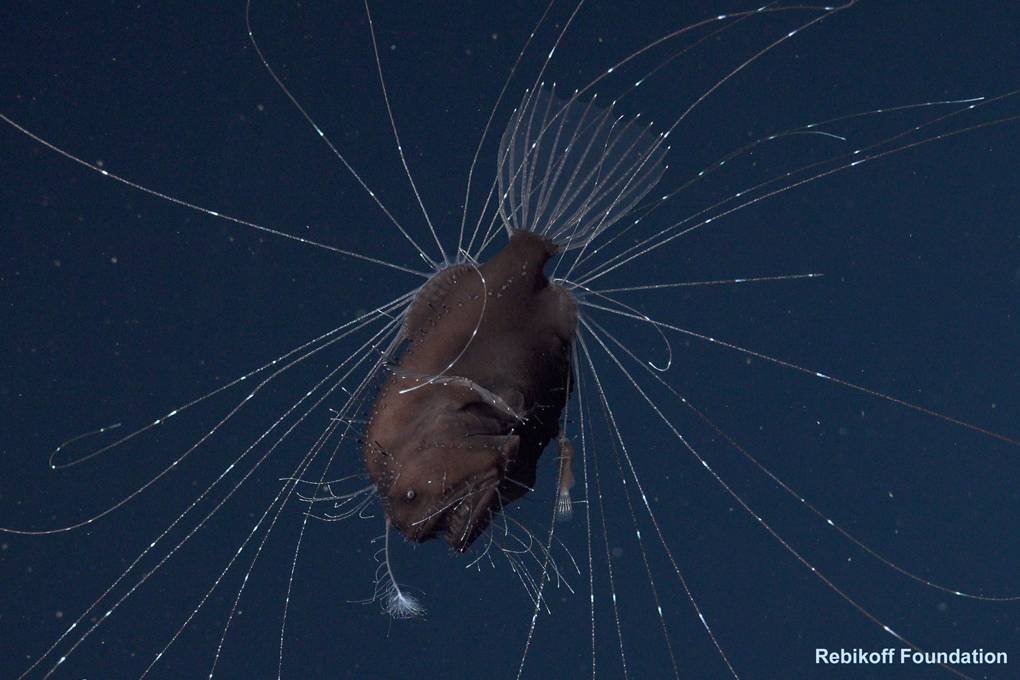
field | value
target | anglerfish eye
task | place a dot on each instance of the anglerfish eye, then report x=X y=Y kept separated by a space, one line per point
x=409 y=495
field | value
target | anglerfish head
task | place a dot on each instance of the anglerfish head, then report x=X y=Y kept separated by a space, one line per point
x=446 y=483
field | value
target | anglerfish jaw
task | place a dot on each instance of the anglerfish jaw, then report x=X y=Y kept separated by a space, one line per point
x=469 y=518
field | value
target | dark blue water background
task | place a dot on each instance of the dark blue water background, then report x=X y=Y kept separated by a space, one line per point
x=118 y=307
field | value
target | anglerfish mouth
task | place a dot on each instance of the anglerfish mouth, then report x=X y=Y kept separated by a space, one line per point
x=466 y=520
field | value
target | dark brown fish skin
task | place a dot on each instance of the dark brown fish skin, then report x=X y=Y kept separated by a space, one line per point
x=438 y=454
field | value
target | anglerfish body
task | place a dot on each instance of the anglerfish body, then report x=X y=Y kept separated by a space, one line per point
x=475 y=396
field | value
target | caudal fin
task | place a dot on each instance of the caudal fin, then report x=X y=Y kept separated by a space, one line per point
x=569 y=169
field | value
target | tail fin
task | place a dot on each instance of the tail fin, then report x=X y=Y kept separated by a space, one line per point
x=569 y=169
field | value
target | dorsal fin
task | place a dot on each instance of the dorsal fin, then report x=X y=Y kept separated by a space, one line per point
x=434 y=297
